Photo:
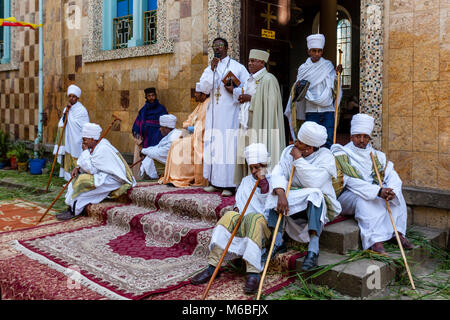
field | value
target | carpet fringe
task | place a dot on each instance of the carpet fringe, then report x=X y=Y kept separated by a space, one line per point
x=67 y=272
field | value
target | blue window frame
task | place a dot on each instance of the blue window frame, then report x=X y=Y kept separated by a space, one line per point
x=5 y=33
x=128 y=23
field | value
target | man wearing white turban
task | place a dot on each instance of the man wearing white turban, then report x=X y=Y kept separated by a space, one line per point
x=312 y=200
x=261 y=113
x=101 y=171
x=317 y=76
x=184 y=165
x=359 y=192
x=159 y=152
x=70 y=148
x=253 y=234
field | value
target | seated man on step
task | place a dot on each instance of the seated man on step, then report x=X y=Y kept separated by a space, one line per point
x=159 y=152
x=362 y=195
x=253 y=234
x=99 y=174
x=312 y=200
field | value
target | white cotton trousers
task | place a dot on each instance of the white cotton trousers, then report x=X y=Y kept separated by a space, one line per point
x=373 y=218
x=93 y=196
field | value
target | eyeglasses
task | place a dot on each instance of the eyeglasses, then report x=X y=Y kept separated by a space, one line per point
x=218 y=45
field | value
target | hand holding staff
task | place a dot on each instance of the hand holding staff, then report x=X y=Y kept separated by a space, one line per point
x=393 y=225
x=66 y=115
x=65 y=186
x=275 y=231
x=229 y=241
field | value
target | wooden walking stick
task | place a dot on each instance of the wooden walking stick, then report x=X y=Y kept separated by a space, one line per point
x=57 y=149
x=229 y=241
x=275 y=231
x=137 y=162
x=393 y=225
x=65 y=186
x=336 y=113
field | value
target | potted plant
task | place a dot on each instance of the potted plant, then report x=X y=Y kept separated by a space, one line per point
x=20 y=154
x=38 y=163
x=4 y=145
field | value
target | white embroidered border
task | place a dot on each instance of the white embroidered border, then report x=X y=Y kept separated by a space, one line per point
x=66 y=271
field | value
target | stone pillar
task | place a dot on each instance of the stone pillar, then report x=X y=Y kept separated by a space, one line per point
x=328 y=24
x=224 y=20
x=371 y=62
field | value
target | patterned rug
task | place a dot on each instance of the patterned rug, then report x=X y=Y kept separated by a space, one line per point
x=147 y=247
x=19 y=214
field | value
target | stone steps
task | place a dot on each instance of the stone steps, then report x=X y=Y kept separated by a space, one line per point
x=367 y=277
x=340 y=237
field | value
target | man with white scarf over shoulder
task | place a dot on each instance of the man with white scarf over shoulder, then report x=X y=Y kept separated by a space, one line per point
x=318 y=104
x=253 y=234
x=101 y=171
x=70 y=148
x=362 y=195
x=312 y=200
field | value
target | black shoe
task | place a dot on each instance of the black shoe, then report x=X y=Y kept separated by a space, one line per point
x=252 y=283
x=204 y=276
x=276 y=250
x=310 y=261
x=66 y=215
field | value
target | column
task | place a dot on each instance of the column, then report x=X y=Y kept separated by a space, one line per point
x=328 y=25
x=139 y=7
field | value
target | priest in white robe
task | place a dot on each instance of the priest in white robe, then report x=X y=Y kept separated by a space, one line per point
x=101 y=172
x=362 y=195
x=261 y=113
x=70 y=148
x=318 y=104
x=159 y=152
x=312 y=200
x=253 y=234
x=221 y=123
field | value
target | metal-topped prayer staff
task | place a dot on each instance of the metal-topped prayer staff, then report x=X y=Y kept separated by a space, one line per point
x=275 y=231
x=70 y=180
x=238 y=223
x=380 y=182
x=336 y=113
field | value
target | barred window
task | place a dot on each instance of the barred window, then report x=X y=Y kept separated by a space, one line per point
x=123 y=24
x=150 y=27
x=344 y=42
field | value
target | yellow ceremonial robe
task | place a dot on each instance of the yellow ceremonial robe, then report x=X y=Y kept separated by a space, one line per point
x=184 y=166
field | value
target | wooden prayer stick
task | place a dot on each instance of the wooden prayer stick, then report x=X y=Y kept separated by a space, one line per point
x=65 y=186
x=137 y=162
x=229 y=241
x=393 y=225
x=275 y=231
x=57 y=150
x=56 y=199
x=336 y=113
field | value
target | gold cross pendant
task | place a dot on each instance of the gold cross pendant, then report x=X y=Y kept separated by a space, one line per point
x=218 y=95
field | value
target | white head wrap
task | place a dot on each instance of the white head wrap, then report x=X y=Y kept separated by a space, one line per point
x=316 y=41
x=312 y=134
x=73 y=89
x=259 y=55
x=200 y=87
x=91 y=130
x=256 y=153
x=168 y=120
x=362 y=124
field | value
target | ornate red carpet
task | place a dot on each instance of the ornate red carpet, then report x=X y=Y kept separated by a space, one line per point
x=147 y=248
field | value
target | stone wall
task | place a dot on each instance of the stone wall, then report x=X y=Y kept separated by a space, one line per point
x=416 y=114
x=116 y=85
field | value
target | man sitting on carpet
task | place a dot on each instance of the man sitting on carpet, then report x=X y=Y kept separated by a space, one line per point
x=159 y=152
x=312 y=199
x=253 y=234
x=362 y=194
x=98 y=174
